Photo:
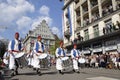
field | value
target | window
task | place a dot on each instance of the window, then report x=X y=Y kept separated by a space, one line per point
x=86 y=34
x=96 y=30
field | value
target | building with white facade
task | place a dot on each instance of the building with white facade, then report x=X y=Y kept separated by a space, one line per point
x=92 y=25
x=44 y=31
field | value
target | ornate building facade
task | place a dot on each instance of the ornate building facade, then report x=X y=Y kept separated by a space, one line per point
x=94 y=25
x=44 y=31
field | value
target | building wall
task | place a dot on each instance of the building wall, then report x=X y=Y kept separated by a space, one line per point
x=83 y=11
x=44 y=31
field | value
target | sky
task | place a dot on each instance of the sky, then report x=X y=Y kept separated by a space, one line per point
x=23 y=15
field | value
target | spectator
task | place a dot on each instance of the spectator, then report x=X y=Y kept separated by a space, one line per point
x=104 y=30
x=114 y=27
x=118 y=24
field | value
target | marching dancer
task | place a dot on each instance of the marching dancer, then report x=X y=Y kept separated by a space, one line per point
x=59 y=54
x=75 y=56
x=39 y=48
x=14 y=48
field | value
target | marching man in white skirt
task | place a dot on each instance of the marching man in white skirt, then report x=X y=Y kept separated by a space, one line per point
x=39 y=48
x=6 y=58
x=75 y=56
x=59 y=54
x=15 y=49
x=30 y=59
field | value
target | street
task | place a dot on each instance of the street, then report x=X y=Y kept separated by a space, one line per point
x=85 y=74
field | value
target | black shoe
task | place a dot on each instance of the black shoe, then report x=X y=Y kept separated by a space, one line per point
x=73 y=70
x=39 y=72
x=29 y=66
x=12 y=73
x=34 y=69
x=16 y=72
x=61 y=72
x=78 y=72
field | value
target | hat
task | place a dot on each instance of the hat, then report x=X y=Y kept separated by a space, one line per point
x=39 y=37
x=16 y=33
x=61 y=42
x=75 y=44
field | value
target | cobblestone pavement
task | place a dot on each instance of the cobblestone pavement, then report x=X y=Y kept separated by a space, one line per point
x=85 y=74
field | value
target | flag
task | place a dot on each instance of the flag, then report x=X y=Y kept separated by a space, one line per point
x=69 y=19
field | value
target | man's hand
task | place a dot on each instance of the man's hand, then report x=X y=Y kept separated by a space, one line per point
x=10 y=52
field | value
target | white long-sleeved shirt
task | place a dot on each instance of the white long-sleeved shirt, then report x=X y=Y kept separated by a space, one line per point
x=17 y=42
x=60 y=52
x=75 y=53
x=39 y=48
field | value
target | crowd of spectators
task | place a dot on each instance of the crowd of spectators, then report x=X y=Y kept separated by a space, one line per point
x=108 y=9
x=109 y=61
x=111 y=27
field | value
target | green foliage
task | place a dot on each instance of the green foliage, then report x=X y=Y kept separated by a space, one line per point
x=53 y=48
x=2 y=49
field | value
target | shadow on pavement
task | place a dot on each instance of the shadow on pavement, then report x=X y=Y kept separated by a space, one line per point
x=68 y=72
x=31 y=73
x=50 y=72
x=14 y=79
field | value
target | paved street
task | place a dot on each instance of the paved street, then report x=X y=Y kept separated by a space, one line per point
x=85 y=74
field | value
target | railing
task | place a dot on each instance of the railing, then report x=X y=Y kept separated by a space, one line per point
x=86 y=37
x=93 y=35
x=100 y=18
x=96 y=34
x=93 y=4
x=77 y=29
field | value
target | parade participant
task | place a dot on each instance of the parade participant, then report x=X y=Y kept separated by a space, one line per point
x=39 y=48
x=6 y=58
x=75 y=56
x=59 y=54
x=14 y=48
x=49 y=57
x=30 y=58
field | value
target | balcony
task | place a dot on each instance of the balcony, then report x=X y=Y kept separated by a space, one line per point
x=94 y=8
x=96 y=34
x=67 y=23
x=78 y=18
x=68 y=43
x=85 y=22
x=94 y=3
x=98 y=18
x=86 y=37
x=83 y=1
x=77 y=5
x=99 y=34
x=67 y=34
x=104 y=1
x=76 y=1
x=95 y=17
x=78 y=29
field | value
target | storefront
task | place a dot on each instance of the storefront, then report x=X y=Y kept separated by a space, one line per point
x=111 y=49
x=86 y=52
x=111 y=46
x=97 y=51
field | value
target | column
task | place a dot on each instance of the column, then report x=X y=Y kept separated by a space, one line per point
x=81 y=14
x=89 y=11
x=114 y=5
x=100 y=8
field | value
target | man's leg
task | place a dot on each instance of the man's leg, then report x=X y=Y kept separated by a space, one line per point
x=12 y=64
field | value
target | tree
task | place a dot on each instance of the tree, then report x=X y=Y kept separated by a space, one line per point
x=53 y=48
x=2 y=49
